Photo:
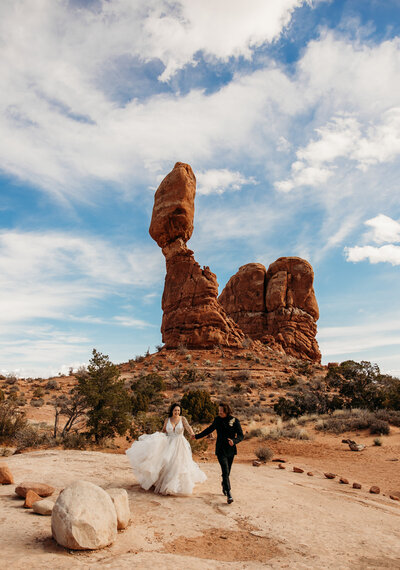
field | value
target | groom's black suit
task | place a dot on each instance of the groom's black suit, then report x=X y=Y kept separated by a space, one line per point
x=227 y=428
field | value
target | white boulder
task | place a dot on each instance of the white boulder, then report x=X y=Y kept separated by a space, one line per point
x=121 y=503
x=43 y=507
x=84 y=517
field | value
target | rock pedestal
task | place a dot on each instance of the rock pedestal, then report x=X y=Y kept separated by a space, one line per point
x=191 y=313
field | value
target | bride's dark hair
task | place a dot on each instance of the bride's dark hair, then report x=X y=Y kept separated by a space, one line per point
x=172 y=407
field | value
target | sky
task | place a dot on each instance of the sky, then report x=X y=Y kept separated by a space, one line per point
x=288 y=112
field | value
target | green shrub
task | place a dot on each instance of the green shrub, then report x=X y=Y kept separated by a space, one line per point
x=108 y=403
x=379 y=427
x=52 y=385
x=38 y=392
x=199 y=405
x=147 y=390
x=378 y=441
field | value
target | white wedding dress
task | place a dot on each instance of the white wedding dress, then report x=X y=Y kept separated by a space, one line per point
x=165 y=461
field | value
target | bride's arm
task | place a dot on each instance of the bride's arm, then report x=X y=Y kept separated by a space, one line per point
x=164 y=429
x=187 y=426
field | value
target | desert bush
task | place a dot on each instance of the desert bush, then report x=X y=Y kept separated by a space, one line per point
x=146 y=423
x=198 y=404
x=264 y=453
x=74 y=440
x=11 y=379
x=379 y=427
x=38 y=392
x=12 y=420
x=391 y=416
x=220 y=376
x=108 y=403
x=147 y=390
x=182 y=349
x=2 y=396
x=207 y=362
x=159 y=347
x=354 y=421
x=52 y=385
x=31 y=436
x=37 y=402
x=377 y=441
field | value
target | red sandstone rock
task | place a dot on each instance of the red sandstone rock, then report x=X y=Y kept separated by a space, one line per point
x=375 y=490
x=310 y=474
x=6 y=477
x=277 y=307
x=41 y=489
x=31 y=497
x=394 y=498
x=173 y=210
x=278 y=460
x=298 y=470
x=191 y=313
x=330 y=475
x=280 y=466
x=343 y=481
x=356 y=485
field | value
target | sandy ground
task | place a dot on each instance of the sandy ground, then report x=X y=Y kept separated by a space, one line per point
x=279 y=519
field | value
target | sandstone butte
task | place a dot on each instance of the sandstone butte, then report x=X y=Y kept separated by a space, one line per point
x=275 y=306
x=192 y=315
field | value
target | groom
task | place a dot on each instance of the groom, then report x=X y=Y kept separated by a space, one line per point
x=229 y=433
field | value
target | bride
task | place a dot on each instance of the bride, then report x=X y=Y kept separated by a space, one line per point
x=165 y=459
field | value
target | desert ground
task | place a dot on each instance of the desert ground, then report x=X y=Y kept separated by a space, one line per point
x=280 y=519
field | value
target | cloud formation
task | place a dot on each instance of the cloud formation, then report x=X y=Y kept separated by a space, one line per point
x=384 y=229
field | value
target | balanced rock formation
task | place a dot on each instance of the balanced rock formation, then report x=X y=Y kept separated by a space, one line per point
x=192 y=315
x=276 y=306
x=84 y=517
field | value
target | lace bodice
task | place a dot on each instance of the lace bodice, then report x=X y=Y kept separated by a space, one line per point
x=179 y=429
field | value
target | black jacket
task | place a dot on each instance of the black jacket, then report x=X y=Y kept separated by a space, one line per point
x=227 y=428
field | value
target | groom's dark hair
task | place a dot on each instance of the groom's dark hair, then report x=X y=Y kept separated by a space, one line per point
x=226 y=407
x=172 y=407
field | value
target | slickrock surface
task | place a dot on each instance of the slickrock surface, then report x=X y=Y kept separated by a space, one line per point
x=192 y=315
x=279 y=520
x=276 y=306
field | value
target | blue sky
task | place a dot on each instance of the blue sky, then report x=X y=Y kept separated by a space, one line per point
x=288 y=112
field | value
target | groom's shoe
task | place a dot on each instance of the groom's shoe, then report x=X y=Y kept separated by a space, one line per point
x=229 y=498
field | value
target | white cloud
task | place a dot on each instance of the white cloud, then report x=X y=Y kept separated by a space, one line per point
x=215 y=181
x=48 y=274
x=384 y=229
x=385 y=253
x=127 y=321
x=350 y=340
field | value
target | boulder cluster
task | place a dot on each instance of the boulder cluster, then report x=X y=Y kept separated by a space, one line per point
x=276 y=306
x=84 y=516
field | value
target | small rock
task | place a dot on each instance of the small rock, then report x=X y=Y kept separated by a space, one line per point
x=31 y=497
x=343 y=481
x=41 y=489
x=298 y=470
x=394 y=498
x=121 y=503
x=6 y=477
x=280 y=466
x=43 y=507
x=84 y=517
x=277 y=460
x=330 y=475
x=356 y=485
x=256 y=463
x=356 y=446
x=310 y=473
x=374 y=490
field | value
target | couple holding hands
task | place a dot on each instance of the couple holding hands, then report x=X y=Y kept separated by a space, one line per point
x=164 y=459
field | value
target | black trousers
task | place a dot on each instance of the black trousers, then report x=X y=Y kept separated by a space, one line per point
x=226 y=463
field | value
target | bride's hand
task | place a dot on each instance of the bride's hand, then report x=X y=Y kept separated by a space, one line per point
x=230 y=441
